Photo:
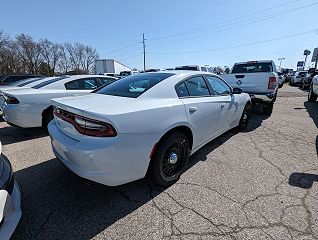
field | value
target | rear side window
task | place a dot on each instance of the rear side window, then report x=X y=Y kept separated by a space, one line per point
x=106 y=81
x=197 y=87
x=82 y=84
x=182 y=90
x=12 y=79
x=252 y=67
x=134 y=85
x=48 y=82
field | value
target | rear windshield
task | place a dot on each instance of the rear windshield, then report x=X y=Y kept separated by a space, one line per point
x=48 y=82
x=134 y=85
x=191 y=68
x=252 y=67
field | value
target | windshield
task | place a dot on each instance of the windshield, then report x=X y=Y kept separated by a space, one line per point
x=252 y=67
x=134 y=85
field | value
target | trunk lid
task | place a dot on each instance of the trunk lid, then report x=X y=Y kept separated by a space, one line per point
x=80 y=105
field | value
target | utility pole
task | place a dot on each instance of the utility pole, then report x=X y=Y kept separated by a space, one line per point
x=280 y=63
x=144 y=46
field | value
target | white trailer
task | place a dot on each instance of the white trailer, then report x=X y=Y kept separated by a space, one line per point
x=109 y=66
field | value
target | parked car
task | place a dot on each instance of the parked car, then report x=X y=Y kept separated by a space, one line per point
x=195 y=68
x=298 y=77
x=25 y=83
x=31 y=107
x=308 y=79
x=313 y=90
x=257 y=78
x=8 y=79
x=147 y=122
x=281 y=79
x=10 y=199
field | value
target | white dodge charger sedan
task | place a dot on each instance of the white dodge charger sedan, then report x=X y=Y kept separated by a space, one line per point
x=150 y=122
x=31 y=107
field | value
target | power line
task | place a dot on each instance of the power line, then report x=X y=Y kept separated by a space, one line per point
x=247 y=22
x=238 y=46
x=123 y=48
x=226 y=21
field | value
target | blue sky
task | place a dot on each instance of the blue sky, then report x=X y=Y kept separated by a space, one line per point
x=178 y=32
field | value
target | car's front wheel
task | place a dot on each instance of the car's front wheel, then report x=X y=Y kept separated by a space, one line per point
x=312 y=97
x=169 y=159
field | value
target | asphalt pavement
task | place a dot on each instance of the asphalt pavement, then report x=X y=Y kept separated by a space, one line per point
x=256 y=184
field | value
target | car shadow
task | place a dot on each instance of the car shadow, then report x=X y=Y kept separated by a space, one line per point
x=302 y=180
x=9 y=134
x=57 y=204
x=306 y=180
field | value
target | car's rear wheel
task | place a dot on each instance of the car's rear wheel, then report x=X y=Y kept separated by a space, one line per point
x=245 y=117
x=312 y=97
x=268 y=108
x=169 y=159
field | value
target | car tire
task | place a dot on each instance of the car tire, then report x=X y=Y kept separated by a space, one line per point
x=169 y=159
x=47 y=118
x=312 y=97
x=245 y=117
x=268 y=108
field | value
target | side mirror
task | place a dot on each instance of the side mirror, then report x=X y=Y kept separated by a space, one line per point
x=237 y=91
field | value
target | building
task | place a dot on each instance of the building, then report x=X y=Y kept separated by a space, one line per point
x=109 y=66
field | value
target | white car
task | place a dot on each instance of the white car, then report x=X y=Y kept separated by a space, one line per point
x=10 y=199
x=25 y=83
x=31 y=107
x=313 y=90
x=147 y=122
x=298 y=78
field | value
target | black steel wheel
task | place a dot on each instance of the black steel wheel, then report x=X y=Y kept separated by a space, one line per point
x=169 y=159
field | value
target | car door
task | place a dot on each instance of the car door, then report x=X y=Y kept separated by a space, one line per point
x=81 y=86
x=228 y=105
x=202 y=111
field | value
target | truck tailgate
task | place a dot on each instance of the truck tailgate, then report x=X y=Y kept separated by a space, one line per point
x=250 y=82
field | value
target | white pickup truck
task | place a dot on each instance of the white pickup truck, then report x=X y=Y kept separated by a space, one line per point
x=257 y=78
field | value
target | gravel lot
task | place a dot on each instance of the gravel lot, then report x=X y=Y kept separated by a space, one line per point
x=259 y=184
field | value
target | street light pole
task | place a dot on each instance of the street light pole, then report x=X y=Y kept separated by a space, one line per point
x=280 y=63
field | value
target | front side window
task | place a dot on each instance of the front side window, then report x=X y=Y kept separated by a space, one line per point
x=218 y=86
x=197 y=87
x=134 y=85
x=82 y=84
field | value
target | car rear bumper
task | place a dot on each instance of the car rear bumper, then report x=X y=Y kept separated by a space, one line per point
x=262 y=97
x=22 y=116
x=110 y=161
x=11 y=211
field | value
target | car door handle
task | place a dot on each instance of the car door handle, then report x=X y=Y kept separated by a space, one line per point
x=192 y=109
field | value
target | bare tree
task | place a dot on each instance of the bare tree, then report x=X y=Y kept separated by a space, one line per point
x=88 y=59
x=29 y=52
x=51 y=53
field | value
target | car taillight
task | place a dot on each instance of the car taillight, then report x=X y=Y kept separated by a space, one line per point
x=272 y=83
x=11 y=100
x=86 y=126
